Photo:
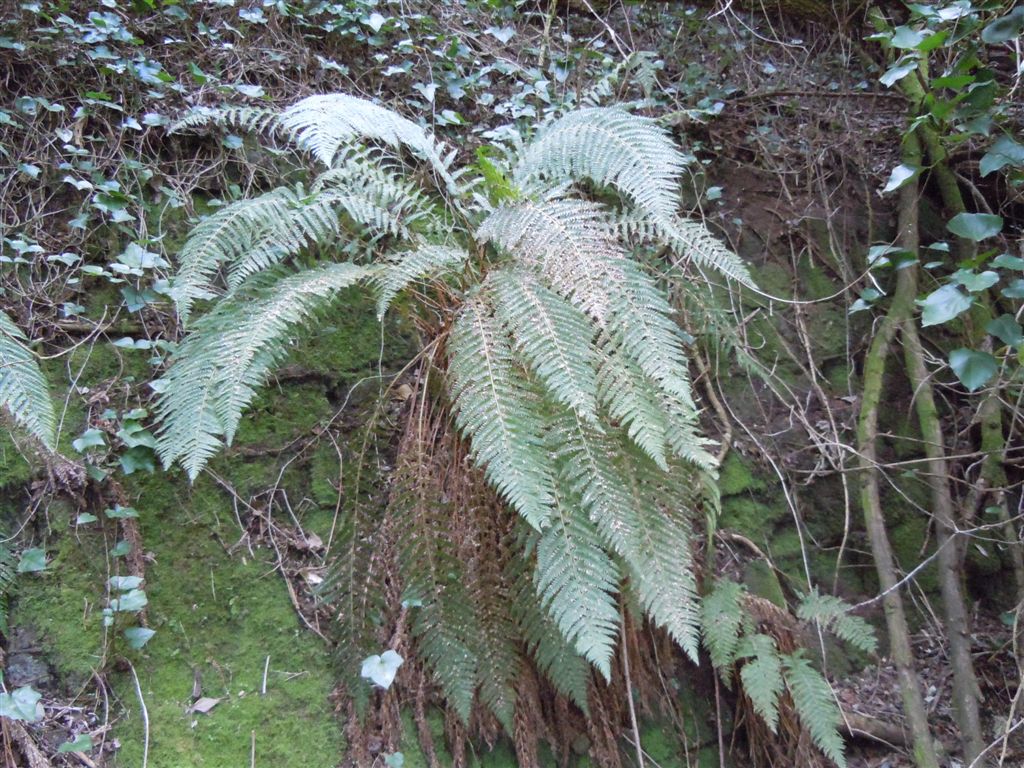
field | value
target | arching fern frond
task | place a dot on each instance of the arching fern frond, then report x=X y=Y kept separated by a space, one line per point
x=762 y=676
x=497 y=409
x=612 y=148
x=834 y=616
x=661 y=543
x=443 y=628
x=815 y=705
x=217 y=368
x=721 y=619
x=403 y=269
x=618 y=496
x=567 y=242
x=577 y=583
x=640 y=325
x=249 y=119
x=688 y=240
x=554 y=338
x=316 y=220
x=224 y=237
x=633 y=403
x=323 y=124
x=23 y=389
x=554 y=655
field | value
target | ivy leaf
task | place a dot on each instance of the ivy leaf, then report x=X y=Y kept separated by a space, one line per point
x=1014 y=290
x=975 y=226
x=906 y=37
x=32 y=560
x=1006 y=329
x=1005 y=28
x=91 y=438
x=22 y=704
x=974 y=369
x=943 y=305
x=381 y=670
x=501 y=34
x=975 y=281
x=124 y=583
x=119 y=512
x=896 y=73
x=1007 y=261
x=82 y=743
x=120 y=549
x=899 y=177
x=139 y=457
x=132 y=600
x=1005 y=151
x=252 y=91
x=137 y=637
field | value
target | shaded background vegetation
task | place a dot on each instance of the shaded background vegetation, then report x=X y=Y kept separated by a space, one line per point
x=791 y=138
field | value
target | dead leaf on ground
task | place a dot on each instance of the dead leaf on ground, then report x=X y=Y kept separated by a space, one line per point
x=204 y=705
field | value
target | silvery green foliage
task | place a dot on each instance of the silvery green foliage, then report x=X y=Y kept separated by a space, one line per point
x=23 y=390
x=565 y=369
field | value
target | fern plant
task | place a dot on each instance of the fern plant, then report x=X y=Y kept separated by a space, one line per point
x=735 y=636
x=23 y=389
x=564 y=373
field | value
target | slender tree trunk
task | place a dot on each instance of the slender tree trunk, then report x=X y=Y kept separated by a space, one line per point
x=867 y=438
x=966 y=692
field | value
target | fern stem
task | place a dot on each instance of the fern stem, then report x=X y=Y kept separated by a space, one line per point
x=629 y=694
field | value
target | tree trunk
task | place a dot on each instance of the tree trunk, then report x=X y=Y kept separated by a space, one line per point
x=966 y=692
x=867 y=437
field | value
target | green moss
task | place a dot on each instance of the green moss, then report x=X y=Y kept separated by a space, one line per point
x=62 y=604
x=661 y=744
x=223 y=616
x=754 y=518
x=14 y=468
x=350 y=341
x=763 y=582
x=737 y=476
x=907 y=539
x=772 y=278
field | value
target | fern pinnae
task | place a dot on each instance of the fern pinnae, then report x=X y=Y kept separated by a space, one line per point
x=633 y=404
x=577 y=582
x=224 y=237
x=23 y=389
x=834 y=616
x=815 y=705
x=566 y=242
x=640 y=325
x=555 y=656
x=314 y=221
x=687 y=240
x=661 y=545
x=553 y=337
x=230 y=354
x=249 y=119
x=721 y=619
x=498 y=412
x=761 y=675
x=611 y=147
x=401 y=270
x=633 y=525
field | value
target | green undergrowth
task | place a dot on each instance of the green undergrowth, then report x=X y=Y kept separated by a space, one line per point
x=222 y=616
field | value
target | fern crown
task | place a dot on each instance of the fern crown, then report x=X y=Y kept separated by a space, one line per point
x=564 y=367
